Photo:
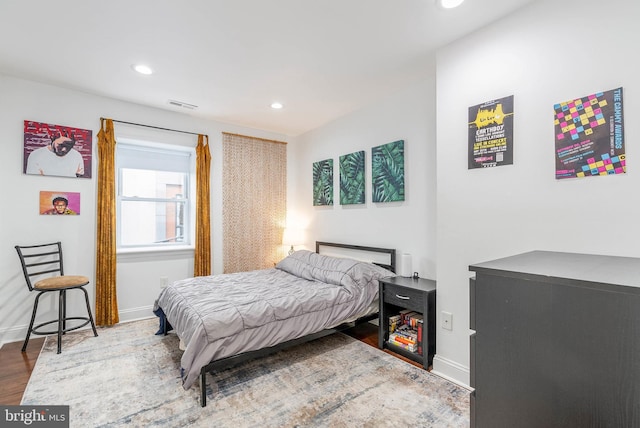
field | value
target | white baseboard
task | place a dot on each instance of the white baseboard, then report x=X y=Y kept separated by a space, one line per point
x=13 y=334
x=135 y=314
x=452 y=371
x=18 y=333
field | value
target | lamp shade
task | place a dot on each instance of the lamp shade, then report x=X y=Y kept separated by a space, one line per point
x=292 y=236
x=405 y=265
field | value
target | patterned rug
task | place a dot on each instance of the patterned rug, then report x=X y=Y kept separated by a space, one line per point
x=129 y=376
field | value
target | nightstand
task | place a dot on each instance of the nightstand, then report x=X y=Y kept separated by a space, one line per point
x=414 y=299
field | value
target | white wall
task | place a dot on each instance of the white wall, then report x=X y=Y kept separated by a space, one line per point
x=408 y=226
x=138 y=279
x=541 y=56
x=547 y=53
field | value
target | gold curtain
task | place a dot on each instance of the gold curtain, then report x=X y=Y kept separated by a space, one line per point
x=202 y=254
x=106 y=300
x=254 y=202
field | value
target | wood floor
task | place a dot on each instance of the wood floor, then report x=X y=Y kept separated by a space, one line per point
x=15 y=369
x=368 y=333
x=16 y=366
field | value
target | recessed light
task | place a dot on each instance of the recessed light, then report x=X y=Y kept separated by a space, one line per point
x=142 y=69
x=450 y=4
x=276 y=105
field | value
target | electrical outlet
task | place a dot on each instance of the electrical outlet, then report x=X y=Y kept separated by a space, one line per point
x=447 y=320
x=164 y=281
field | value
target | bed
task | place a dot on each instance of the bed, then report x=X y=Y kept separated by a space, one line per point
x=226 y=319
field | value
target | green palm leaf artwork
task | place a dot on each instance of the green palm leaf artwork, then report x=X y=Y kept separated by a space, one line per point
x=387 y=172
x=323 y=182
x=352 y=178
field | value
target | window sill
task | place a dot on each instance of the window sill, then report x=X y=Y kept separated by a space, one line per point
x=154 y=253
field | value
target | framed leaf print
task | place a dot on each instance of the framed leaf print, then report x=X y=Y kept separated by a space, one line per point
x=323 y=182
x=352 y=178
x=387 y=172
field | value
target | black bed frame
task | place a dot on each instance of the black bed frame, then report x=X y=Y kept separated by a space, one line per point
x=231 y=361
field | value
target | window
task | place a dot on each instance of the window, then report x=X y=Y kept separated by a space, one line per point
x=154 y=195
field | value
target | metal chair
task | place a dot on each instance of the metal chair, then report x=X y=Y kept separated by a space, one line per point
x=43 y=261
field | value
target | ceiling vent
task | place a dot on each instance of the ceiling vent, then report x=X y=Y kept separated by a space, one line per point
x=183 y=104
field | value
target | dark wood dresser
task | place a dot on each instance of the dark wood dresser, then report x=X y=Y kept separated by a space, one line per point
x=556 y=342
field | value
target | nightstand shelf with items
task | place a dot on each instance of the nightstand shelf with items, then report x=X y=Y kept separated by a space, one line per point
x=407 y=324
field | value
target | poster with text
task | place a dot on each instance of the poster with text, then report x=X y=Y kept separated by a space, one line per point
x=491 y=133
x=56 y=150
x=589 y=136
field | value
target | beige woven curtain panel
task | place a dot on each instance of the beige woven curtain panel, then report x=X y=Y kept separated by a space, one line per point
x=106 y=299
x=202 y=253
x=254 y=202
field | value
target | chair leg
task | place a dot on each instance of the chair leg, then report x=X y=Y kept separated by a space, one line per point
x=64 y=312
x=33 y=318
x=86 y=298
x=61 y=320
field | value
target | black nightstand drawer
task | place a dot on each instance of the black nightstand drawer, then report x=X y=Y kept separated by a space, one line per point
x=402 y=296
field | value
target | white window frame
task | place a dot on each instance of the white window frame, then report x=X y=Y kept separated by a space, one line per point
x=189 y=206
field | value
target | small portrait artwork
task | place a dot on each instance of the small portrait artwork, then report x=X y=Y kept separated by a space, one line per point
x=59 y=203
x=57 y=150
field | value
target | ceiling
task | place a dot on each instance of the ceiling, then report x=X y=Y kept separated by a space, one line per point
x=232 y=58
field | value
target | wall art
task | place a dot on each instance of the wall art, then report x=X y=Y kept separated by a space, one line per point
x=56 y=150
x=387 y=172
x=323 y=182
x=59 y=203
x=589 y=136
x=491 y=133
x=352 y=178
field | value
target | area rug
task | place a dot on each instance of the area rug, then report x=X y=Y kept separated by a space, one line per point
x=129 y=376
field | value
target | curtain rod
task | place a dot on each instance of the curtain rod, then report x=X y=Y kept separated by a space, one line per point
x=155 y=127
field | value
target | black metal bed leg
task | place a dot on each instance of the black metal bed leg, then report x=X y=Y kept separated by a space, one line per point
x=203 y=387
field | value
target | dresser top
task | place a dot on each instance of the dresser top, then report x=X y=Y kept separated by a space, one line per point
x=568 y=268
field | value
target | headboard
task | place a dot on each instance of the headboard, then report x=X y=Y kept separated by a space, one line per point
x=384 y=257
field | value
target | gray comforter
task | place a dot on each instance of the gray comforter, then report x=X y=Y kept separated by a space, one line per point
x=223 y=315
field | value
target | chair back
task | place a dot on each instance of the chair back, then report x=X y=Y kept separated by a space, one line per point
x=40 y=260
